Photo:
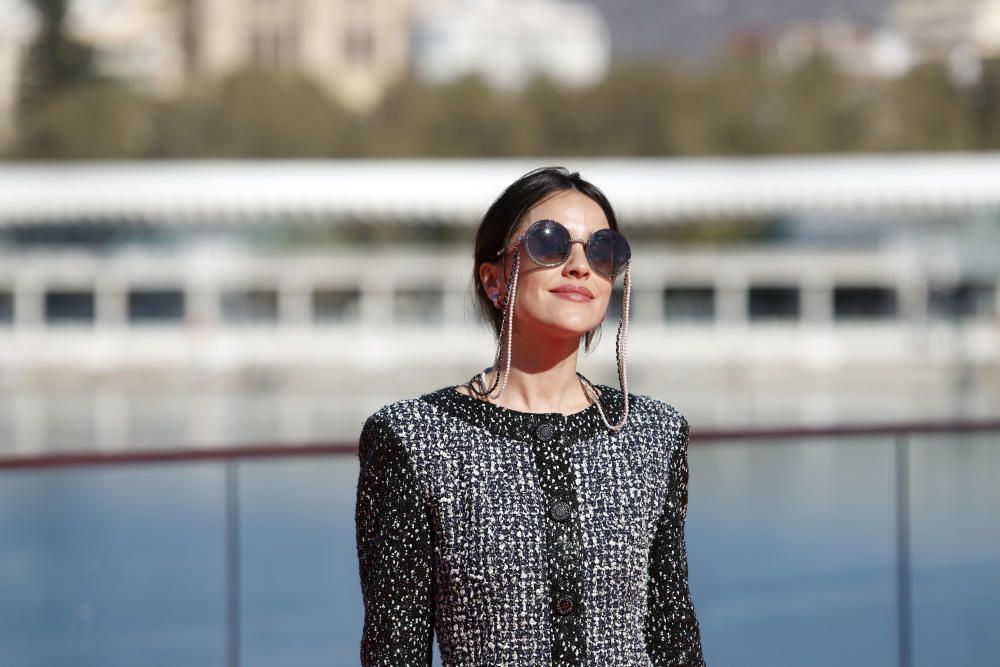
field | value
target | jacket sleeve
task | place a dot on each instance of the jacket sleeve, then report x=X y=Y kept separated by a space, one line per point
x=395 y=552
x=672 y=633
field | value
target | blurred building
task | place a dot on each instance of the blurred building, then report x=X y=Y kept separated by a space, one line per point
x=855 y=49
x=135 y=41
x=509 y=41
x=353 y=49
x=886 y=252
x=131 y=285
x=938 y=29
x=986 y=29
x=16 y=29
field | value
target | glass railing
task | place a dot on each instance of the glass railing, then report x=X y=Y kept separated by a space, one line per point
x=869 y=545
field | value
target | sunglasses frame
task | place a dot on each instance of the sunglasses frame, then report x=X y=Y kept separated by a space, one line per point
x=569 y=249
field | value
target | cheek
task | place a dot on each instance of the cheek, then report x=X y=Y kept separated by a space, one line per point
x=604 y=300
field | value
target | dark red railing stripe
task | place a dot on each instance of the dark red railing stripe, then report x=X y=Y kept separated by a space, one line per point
x=847 y=430
x=700 y=436
x=174 y=455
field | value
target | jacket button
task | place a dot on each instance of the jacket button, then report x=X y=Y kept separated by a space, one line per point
x=565 y=604
x=545 y=432
x=560 y=510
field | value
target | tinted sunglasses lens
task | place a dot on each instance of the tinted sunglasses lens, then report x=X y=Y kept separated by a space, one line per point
x=608 y=252
x=547 y=242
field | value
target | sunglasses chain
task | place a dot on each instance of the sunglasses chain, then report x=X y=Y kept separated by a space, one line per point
x=506 y=326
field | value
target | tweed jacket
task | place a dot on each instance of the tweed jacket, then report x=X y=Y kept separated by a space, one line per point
x=524 y=539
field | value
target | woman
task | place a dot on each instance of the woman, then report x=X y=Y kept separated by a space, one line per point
x=528 y=517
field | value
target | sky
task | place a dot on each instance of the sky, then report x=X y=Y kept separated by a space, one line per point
x=697 y=28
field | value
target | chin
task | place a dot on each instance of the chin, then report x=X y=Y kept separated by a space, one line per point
x=559 y=320
x=573 y=328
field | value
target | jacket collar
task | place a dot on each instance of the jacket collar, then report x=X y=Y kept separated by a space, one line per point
x=529 y=426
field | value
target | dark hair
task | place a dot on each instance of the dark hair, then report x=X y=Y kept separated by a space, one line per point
x=504 y=214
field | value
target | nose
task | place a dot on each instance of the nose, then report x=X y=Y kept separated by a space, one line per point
x=577 y=264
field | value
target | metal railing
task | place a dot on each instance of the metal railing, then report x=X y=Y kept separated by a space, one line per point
x=230 y=457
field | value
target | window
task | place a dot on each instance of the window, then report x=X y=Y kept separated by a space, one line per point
x=966 y=299
x=274 y=46
x=289 y=48
x=359 y=46
x=69 y=306
x=864 y=302
x=254 y=305
x=773 y=303
x=614 y=311
x=6 y=307
x=336 y=304
x=692 y=303
x=424 y=305
x=155 y=305
x=264 y=47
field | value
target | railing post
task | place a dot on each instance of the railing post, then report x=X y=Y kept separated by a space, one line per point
x=232 y=563
x=902 y=470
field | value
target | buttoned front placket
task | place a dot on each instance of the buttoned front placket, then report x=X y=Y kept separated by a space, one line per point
x=553 y=461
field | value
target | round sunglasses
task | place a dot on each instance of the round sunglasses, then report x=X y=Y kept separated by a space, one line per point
x=549 y=244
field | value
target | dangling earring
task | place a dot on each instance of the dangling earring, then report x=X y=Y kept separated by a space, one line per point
x=506 y=325
x=621 y=353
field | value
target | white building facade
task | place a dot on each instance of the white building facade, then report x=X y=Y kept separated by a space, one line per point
x=938 y=29
x=508 y=41
x=16 y=29
x=353 y=49
x=885 y=302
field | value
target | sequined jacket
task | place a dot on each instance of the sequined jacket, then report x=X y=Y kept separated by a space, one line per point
x=524 y=539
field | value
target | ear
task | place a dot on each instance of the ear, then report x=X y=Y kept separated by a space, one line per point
x=493 y=282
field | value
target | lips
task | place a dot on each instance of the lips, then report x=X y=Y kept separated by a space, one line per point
x=576 y=292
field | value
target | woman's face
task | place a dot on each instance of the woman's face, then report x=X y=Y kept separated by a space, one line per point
x=539 y=309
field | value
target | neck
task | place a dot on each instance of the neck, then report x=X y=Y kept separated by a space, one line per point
x=542 y=376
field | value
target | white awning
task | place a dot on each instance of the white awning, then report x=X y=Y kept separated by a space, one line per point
x=643 y=191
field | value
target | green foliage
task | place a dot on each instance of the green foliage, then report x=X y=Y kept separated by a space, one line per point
x=253 y=114
x=931 y=112
x=87 y=121
x=737 y=105
x=53 y=60
x=458 y=119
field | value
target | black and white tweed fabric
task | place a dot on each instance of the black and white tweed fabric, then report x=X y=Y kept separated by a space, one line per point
x=524 y=539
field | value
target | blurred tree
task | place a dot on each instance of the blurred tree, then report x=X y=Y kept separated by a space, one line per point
x=255 y=113
x=823 y=110
x=87 y=120
x=983 y=101
x=929 y=109
x=461 y=118
x=632 y=112
x=549 y=119
x=740 y=104
x=54 y=60
x=718 y=114
x=719 y=231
